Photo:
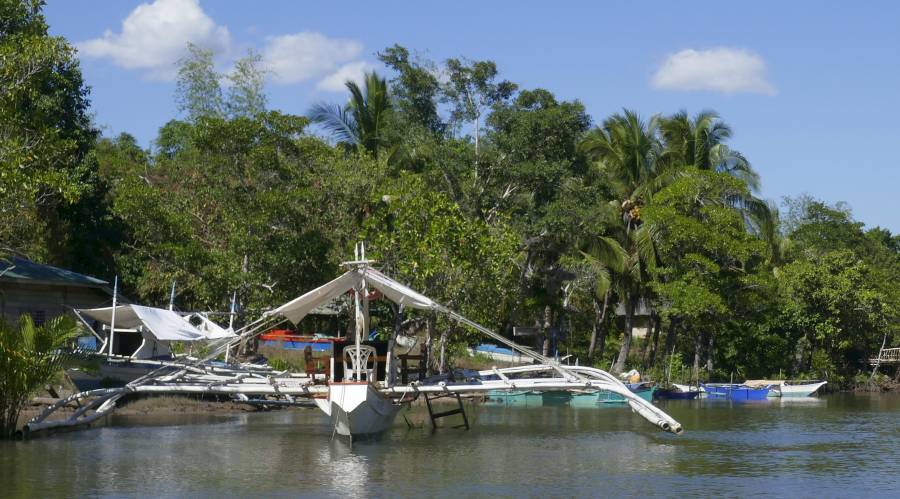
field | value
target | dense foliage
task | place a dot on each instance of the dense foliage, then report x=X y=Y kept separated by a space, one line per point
x=506 y=203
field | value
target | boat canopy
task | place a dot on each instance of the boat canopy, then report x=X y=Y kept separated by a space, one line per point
x=298 y=308
x=162 y=324
x=210 y=329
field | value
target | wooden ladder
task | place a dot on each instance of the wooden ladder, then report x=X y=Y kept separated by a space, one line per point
x=460 y=409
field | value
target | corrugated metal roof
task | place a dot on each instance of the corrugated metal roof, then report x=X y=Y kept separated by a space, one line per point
x=20 y=269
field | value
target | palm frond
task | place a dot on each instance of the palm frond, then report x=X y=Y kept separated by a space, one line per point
x=601 y=274
x=338 y=120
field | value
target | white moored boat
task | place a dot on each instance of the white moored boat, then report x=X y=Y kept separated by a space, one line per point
x=799 y=388
x=788 y=388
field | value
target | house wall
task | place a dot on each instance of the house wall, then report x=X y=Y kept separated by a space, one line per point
x=640 y=325
x=45 y=301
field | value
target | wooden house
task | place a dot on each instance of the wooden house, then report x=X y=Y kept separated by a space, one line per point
x=44 y=291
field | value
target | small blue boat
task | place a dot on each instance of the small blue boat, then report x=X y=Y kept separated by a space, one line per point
x=736 y=392
x=673 y=394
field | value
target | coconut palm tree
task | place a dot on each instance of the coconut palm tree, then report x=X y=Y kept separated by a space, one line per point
x=362 y=122
x=700 y=142
x=627 y=150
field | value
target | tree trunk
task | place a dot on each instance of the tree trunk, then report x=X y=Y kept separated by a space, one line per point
x=799 y=354
x=545 y=327
x=389 y=366
x=697 y=344
x=619 y=366
x=523 y=284
x=709 y=353
x=599 y=319
x=672 y=335
x=653 y=344
x=442 y=368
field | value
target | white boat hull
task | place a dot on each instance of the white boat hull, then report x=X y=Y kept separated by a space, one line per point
x=804 y=390
x=358 y=409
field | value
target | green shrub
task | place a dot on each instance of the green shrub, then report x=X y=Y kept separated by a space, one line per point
x=30 y=357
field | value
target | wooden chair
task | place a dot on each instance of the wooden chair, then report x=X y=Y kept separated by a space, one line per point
x=311 y=367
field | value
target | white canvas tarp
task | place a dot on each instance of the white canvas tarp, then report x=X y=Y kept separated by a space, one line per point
x=164 y=325
x=398 y=293
x=299 y=307
x=211 y=330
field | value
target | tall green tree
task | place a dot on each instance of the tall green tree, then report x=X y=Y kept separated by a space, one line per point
x=233 y=209
x=833 y=313
x=197 y=89
x=471 y=89
x=415 y=88
x=709 y=261
x=45 y=130
x=246 y=92
x=626 y=150
x=531 y=171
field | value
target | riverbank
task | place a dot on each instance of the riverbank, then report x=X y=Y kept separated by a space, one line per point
x=153 y=406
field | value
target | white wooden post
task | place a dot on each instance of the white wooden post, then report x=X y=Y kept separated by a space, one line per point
x=112 y=322
x=172 y=297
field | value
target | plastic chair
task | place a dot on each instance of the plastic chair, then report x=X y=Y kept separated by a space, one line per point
x=366 y=352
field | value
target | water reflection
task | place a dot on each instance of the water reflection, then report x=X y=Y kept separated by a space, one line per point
x=841 y=444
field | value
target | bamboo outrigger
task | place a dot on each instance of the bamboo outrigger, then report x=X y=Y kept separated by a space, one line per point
x=357 y=404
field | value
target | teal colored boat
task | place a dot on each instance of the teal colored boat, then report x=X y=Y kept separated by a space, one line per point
x=587 y=399
x=603 y=397
x=518 y=398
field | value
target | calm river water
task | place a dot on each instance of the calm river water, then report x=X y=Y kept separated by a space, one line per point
x=834 y=446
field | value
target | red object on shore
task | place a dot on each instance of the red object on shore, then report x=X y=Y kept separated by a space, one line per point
x=288 y=335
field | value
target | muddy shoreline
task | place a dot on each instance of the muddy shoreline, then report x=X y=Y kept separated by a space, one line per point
x=153 y=406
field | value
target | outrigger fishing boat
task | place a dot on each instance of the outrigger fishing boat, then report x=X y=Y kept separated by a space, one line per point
x=573 y=398
x=135 y=340
x=359 y=403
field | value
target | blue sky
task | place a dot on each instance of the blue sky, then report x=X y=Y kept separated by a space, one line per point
x=812 y=89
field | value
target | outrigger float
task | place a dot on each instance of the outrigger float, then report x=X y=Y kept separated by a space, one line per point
x=359 y=404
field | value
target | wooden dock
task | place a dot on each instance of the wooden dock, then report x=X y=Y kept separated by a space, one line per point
x=886 y=356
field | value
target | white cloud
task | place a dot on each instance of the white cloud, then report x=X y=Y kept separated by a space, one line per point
x=725 y=70
x=306 y=55
x=154 y=37
x=354 y=71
